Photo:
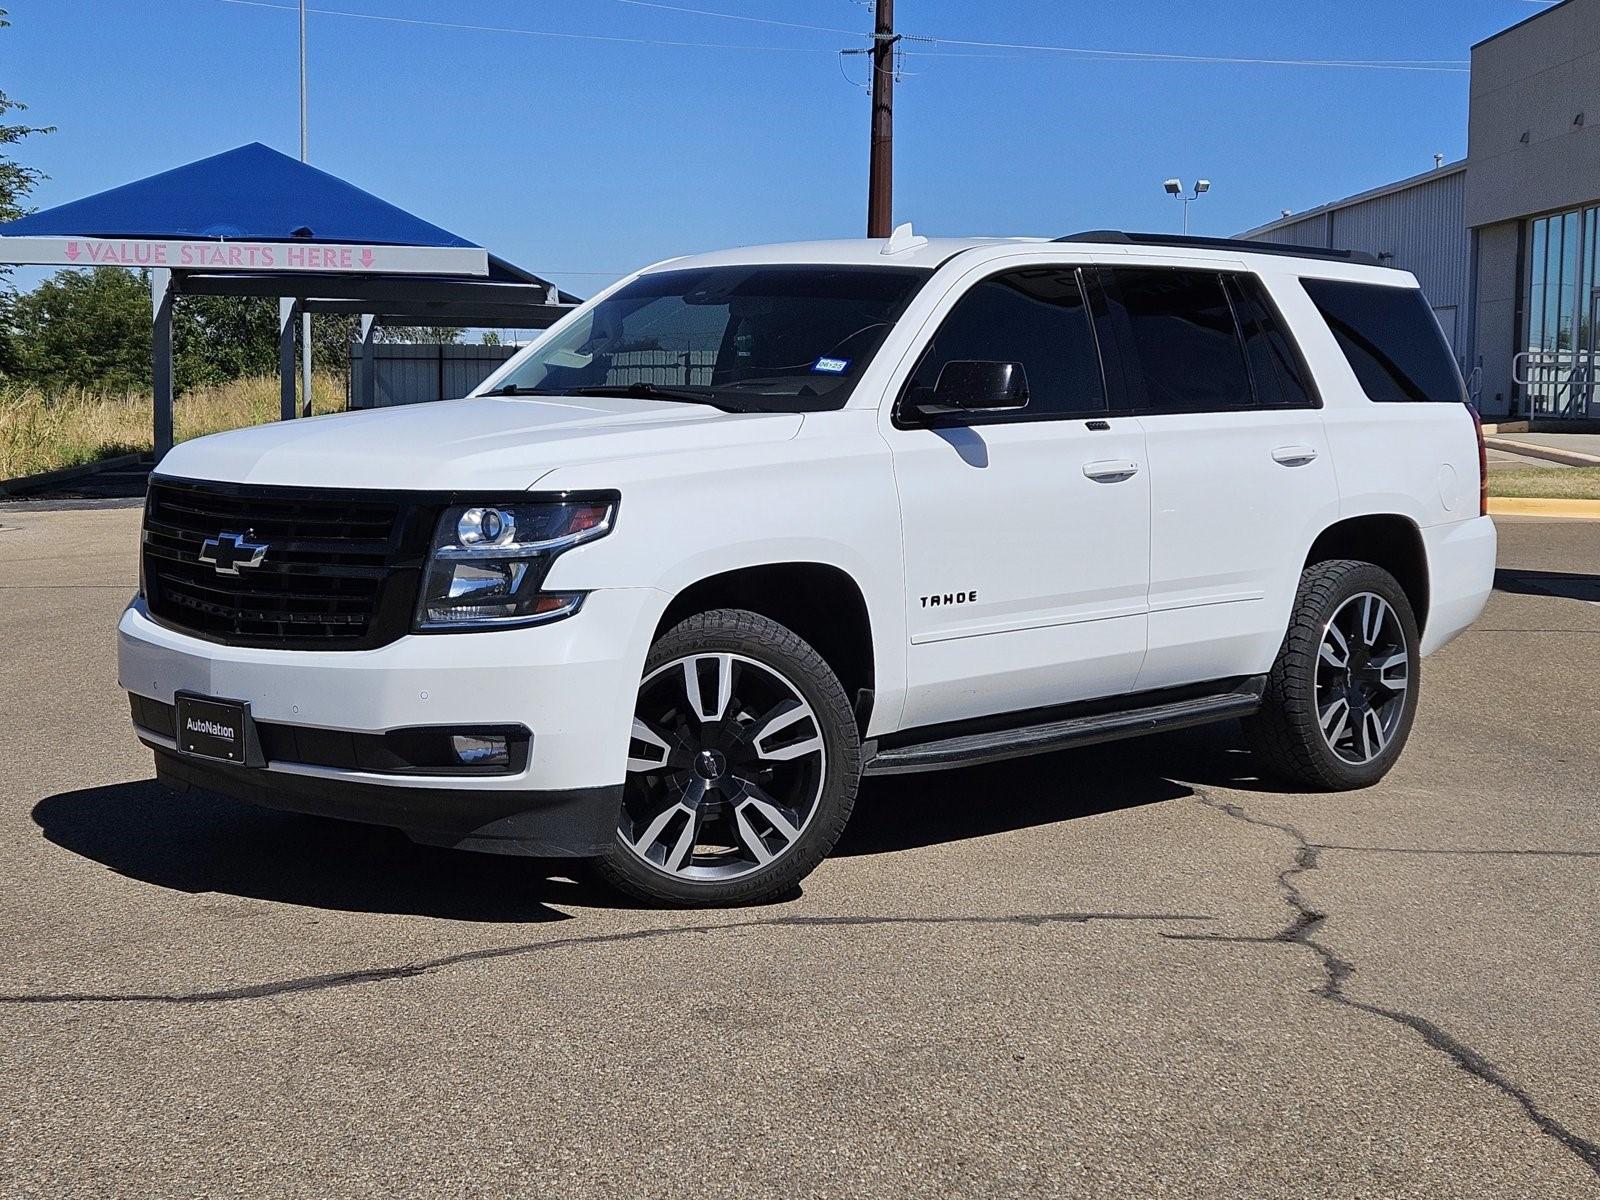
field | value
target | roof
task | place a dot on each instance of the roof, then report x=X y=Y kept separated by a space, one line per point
x=1388 y=189
x=251 y=193
x=931 y=253
x=922 y=252
x=1521 y=23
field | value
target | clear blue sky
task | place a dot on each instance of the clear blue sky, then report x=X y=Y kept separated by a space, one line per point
x=582 y=158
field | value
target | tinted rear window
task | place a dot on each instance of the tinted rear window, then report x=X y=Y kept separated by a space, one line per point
x=1275 y=366
x=1184 y=341
x=1391 y=339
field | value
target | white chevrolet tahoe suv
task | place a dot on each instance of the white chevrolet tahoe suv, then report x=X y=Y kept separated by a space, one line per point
x=753 y=524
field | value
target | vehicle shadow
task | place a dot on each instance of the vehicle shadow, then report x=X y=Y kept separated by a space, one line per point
x=901 y=812
x=1566 y=585
x=199 y=843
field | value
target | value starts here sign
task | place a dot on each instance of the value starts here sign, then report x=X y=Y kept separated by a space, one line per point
x=206 y=255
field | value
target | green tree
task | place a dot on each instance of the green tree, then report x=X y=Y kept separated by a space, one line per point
x=86 y=329
x=16 y=182
x=220 y=338
x=420 y=334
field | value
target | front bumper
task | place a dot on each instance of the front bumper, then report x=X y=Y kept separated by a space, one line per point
x=572 y=683
x=577 y=822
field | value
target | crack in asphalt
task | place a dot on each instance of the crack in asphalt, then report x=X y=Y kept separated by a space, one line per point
x=1307 y=920
x=1567 y=632
x=1535 y=853
x=313 y=983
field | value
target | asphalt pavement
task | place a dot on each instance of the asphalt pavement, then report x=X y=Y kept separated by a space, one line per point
x=1129 y=971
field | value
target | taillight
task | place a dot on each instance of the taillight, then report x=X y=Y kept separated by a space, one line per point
x=1483 y=463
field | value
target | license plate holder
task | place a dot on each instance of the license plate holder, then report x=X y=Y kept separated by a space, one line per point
x=217 y=730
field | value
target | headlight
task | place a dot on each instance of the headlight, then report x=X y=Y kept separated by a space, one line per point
x=489 y=561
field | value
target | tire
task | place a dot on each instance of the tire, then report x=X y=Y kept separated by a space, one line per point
x=1334 y=726
x=743 y=768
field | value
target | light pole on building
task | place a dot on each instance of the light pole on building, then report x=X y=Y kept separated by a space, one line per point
x=1174 y=189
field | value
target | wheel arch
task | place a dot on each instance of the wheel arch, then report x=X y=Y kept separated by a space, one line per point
x=820 y=602
x=1388 y=540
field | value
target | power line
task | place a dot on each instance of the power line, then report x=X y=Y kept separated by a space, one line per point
x=1451 y=65
x=542 y=33
x=703 y=12
x=1444 y=66
x=1394 y=64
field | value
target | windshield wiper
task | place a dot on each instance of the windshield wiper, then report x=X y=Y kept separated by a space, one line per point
x=517 y=389
x=649 y=391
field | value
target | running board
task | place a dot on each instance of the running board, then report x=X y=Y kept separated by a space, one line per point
x=974 y=748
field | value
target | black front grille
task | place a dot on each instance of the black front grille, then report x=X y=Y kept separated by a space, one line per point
x=340 y=570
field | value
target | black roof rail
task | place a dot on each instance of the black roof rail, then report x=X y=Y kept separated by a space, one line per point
x=1120 y=237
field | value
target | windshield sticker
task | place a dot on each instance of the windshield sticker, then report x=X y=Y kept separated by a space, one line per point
x=831 y=366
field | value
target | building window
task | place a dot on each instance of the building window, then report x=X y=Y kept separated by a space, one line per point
x=1563 y=311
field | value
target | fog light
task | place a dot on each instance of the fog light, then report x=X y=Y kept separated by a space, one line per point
x=481 y=750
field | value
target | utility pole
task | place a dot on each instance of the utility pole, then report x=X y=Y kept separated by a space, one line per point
x=305 y=317
x=880 y=168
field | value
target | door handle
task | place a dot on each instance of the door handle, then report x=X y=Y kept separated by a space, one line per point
x=1294 y=456
x=1111 y=470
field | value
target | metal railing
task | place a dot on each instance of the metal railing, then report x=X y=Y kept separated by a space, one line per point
x=1559 y=383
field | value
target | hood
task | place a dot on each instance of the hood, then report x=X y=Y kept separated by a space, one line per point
x=481 y=442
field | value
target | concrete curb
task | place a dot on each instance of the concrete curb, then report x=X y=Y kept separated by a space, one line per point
x=23 y=484
x=1525 y=506
x=1571 y=458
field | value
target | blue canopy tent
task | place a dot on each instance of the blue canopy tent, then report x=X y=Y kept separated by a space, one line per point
x=254 y=222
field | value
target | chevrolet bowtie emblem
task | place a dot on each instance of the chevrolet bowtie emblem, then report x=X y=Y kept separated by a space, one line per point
x=227 y=552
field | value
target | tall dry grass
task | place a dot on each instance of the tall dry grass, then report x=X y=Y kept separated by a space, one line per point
x=45 y=432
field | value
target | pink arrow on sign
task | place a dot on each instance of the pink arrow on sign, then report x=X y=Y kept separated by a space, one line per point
x=72 y=251
x=366 y=257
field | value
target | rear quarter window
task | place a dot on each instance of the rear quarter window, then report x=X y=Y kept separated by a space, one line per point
x=1391 y=340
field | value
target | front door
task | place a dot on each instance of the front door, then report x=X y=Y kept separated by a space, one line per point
x=1026 y=534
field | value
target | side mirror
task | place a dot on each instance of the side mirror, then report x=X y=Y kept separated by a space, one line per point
x=966 y=386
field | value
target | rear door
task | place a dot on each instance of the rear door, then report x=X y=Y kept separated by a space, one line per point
x=1026 y=534
x=1240 y=474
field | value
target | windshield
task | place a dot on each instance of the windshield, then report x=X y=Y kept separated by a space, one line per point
x=755 y=338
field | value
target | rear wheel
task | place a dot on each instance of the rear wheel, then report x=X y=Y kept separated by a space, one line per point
x=1342 y=694
x=742 y=769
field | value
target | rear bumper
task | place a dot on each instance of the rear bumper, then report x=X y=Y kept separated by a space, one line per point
x=575 y=822
x=1460 y=577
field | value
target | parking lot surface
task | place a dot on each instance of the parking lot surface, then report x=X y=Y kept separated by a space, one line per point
x=1130 y=971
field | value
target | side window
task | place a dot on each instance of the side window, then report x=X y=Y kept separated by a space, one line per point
x=1035 y=317
x=1178 y=329
x=1275 y=365
x=1391 y=339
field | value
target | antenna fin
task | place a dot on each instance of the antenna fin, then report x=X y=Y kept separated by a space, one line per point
x=902 y=239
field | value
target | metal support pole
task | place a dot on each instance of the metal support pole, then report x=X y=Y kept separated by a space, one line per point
x=305 y=364
x=303 y=152
x=305 y=319
x=286 y=311
x=161 y=359
x=367 y=380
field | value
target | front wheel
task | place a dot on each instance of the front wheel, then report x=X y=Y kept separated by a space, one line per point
x=1342 y=694
x=742 y=768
